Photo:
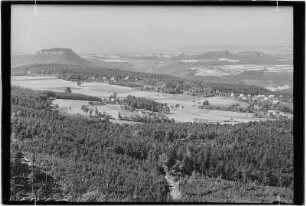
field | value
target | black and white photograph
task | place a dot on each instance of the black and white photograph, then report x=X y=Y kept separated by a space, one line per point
x=114 y=103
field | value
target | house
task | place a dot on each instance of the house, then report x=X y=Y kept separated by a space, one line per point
x=200 y=120
x=254 y=99
x=103 y=119
x=228 y=119
x=272 y=112
x=169 y=108
x=282 y=114
x=271 y=96
x=256 y=107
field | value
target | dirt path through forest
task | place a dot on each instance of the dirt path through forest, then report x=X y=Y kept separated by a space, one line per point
x=174 y=187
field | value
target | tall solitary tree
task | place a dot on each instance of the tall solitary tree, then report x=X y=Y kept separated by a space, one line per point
x=205 y=103
x=67 y=89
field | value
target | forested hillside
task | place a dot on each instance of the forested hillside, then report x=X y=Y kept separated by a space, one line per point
x=29 y=182
x=100 y=161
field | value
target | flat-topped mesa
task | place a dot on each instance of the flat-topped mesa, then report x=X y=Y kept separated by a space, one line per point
x=56 y=51
x=252 y=54
x=58 y=56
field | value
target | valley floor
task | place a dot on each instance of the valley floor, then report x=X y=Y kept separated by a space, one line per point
x=187 y=112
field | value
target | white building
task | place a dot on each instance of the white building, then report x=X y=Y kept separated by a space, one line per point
x=271 y=96
x=272 y=112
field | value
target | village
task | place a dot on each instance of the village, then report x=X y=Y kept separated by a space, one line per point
x=261 y=105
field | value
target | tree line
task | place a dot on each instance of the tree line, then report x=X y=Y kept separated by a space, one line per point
x=132 y=102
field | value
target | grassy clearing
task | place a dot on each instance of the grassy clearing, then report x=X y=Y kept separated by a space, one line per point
x=187 y=114
x=107 y=88
x=74 y=107
x=43 y=83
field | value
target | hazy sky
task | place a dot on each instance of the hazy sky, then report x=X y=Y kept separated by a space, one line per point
x=139 y=28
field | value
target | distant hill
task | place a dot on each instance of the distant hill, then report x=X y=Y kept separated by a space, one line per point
x=180 y=64
x=245 y=57
x=50 y=56
x=255 y=57
x=246 y=67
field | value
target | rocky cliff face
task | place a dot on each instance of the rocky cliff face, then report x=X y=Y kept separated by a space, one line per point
x=53 y=56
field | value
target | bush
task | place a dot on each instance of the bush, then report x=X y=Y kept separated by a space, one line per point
x=68 y=90
x=206 y=102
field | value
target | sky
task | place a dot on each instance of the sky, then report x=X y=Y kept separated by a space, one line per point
x=119 y=29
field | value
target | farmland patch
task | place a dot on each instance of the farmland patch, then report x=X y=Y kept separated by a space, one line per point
x=184 y=108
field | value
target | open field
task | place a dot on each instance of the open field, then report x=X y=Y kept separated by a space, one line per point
x=235 y=69
x=52 y=83
x=74 y=107
x=188 y=112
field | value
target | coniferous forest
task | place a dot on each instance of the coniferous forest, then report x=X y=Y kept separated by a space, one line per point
x=153 y=104
x=79 y=159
